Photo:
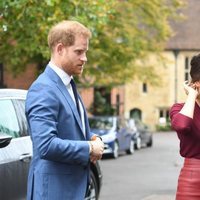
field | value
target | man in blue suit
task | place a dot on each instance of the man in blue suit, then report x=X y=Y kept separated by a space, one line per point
x=63 y=145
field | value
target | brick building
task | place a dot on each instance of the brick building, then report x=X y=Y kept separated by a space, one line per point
x=152 y=103
x=139 y=99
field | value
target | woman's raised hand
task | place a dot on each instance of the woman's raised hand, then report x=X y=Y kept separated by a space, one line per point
x=190 y=88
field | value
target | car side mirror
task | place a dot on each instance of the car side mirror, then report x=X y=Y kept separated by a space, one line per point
x=5 y=140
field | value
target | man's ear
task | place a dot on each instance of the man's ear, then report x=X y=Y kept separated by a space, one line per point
x=59 y=48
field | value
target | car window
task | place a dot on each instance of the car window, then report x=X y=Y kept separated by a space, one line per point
x=8 y=120
x=101 y=123
x=20 y=110
x=140 y=124
x=121 y=122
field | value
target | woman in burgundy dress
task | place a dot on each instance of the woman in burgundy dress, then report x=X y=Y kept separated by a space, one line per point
x=185 y=120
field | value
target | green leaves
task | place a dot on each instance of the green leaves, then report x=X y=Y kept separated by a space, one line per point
x=123 y=33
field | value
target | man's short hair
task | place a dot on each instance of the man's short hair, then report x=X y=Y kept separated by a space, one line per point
x=65 y=32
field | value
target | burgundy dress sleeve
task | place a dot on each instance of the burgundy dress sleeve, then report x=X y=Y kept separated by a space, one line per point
x=179 y=122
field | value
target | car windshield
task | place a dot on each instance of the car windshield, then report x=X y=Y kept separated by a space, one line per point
x=101 y=123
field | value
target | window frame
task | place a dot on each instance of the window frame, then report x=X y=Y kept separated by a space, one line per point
x=187 y=69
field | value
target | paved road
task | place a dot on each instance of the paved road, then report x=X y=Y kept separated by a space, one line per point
x=148 y=174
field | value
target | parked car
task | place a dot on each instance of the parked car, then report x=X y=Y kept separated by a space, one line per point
x=142 y=135
x=115 y=134
x=16 y=149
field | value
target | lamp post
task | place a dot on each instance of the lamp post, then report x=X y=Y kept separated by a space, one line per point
x=176 y=52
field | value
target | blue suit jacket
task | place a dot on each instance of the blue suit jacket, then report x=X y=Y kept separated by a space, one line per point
x=60 y=164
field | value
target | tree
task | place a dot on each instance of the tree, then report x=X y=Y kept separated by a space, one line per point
x=123 y=32
x=101 y=106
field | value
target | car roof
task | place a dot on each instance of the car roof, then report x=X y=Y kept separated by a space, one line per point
x=13 y=93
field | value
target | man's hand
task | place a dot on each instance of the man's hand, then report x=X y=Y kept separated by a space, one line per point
x=97 y=147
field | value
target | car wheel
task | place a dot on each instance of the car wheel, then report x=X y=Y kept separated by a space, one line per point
x=115 y=153
x=131 y=148
x=92 y=193
x=138 y=143
x=150 y=143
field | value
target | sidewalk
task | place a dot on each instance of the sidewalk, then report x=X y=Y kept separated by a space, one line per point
x=160 y=197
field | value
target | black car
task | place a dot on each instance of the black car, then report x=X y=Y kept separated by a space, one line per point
x=16 y=149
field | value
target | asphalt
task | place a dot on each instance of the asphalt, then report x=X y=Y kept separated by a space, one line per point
x=159 y=197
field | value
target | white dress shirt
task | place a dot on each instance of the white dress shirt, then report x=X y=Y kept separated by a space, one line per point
x=66 y=80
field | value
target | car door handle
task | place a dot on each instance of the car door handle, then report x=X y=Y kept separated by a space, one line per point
x=25 y=157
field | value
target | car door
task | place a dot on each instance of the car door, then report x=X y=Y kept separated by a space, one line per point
x=123 y=135
x=142 y=131
x=14 y=158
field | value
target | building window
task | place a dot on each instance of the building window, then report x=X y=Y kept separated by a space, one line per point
x=163 y=116
x=144 y=88
x=187 y=68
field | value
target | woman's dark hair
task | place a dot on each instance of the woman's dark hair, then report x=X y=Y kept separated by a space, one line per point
x=195 y=68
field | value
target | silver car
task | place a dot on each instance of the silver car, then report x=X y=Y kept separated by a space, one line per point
x=16 y=149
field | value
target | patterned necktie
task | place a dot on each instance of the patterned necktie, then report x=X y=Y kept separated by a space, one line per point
x=75 y=95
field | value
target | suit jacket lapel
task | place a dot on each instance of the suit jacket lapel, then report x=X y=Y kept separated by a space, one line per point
x=60 y=85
